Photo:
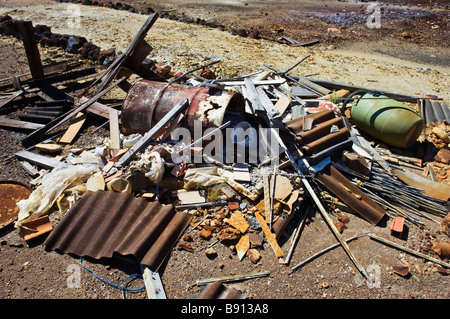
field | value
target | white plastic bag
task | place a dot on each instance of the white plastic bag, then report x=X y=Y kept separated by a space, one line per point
x=53 y=185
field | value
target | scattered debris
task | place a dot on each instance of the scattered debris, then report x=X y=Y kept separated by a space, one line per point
x=233 y=159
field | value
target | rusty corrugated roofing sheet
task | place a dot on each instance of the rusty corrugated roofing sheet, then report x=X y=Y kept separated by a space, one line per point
x=102 y=223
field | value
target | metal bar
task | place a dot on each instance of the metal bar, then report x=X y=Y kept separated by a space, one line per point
x=413 y=252
x=155 y=129
x=321 y=252
x=232 y=278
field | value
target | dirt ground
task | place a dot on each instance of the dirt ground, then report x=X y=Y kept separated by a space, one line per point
x=415 y=63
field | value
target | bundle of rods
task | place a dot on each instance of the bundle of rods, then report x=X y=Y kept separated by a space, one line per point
x=399 y=199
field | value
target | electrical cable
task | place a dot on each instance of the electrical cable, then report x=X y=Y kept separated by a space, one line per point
x=110 y=283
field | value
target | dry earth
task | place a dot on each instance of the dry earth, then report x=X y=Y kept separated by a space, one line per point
x=27 y=271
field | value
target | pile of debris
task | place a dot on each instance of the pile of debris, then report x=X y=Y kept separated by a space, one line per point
x=236 y=160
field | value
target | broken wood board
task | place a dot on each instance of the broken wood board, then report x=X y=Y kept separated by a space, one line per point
x=114 y=131
x=283 y=187
x=73 y=129
x=243 y=246
x=6 y=122
x=190 y=197
x=241 y=172
x=269 y=235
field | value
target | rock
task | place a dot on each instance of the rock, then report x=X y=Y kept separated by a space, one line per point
x=255 y=240
x=442 y=249
x=343 y=219
x=340 y=226
x=440 y=133
x=211 y=253
x=254 y=255
x=445 y=225
x=229 y=234
x=401 y=270
x=49 y=147
x=205 y=234
x=443 y=156
x=406 y=35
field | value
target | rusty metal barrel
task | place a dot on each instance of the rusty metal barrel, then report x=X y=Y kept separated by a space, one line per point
x=148 y=101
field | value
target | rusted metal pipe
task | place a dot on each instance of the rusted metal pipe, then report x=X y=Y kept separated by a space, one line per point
x=148 y=101
x=351 y=195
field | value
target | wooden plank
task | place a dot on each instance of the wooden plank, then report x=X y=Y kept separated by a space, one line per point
x=270 y=236
x=66 y=116
x=4 y=121
x=114 y=131
x=8 y=97
x=97 y=108
x=31 y=49
x=115 y=67
x=73 y=129
x=42 y=161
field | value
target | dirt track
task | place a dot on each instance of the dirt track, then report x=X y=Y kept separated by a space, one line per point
x=30 y=272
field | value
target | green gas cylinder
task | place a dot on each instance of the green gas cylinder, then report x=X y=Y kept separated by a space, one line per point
x=387 y=120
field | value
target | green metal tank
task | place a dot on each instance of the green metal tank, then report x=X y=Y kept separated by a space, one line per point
x=387 y=120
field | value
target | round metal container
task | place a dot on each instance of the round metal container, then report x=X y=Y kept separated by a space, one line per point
x=387 y=120
x=148 y=101
x=11 y=192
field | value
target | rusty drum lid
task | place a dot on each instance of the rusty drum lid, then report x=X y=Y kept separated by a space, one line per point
x=11 y=192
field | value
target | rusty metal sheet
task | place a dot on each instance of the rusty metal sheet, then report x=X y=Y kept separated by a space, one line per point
x=351 y=195
x=103 y=223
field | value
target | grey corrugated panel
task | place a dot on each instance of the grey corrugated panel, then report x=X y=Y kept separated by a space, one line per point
x=446 y=111
x=429 y=114
x=438 y=112
x=102 y=223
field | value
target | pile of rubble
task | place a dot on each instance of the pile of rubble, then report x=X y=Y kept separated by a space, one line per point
x=236 y=160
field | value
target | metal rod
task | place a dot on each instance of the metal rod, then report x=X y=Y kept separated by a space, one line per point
x=232 y=278
x=321 y=252
x=413 y=252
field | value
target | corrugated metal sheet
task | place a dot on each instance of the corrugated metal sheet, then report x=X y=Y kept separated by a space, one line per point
x=102 y=223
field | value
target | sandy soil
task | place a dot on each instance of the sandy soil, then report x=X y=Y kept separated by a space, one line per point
x=28 y=272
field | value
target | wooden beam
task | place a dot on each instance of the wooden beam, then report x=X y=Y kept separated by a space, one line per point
x=31 y=49
x=6 y=122
x=36 y=135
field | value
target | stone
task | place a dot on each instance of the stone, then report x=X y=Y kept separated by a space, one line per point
x=211 y=253
x=229 y=234
x=443 y=156
x=205 y=234
x=254 y=255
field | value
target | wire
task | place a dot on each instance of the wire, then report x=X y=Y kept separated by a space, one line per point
x=111 y=284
